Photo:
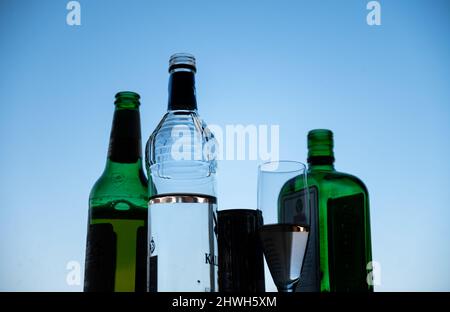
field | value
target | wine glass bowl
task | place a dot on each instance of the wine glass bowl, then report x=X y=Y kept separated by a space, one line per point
x=284 y=247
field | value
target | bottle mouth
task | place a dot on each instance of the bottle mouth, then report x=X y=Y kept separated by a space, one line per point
x=182 y=61
x=320 y=135
x=320 y=146
x=127 y=99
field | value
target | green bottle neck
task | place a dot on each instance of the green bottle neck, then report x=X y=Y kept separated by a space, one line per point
x=125 y=139
x=116 y=170
x=320 y=150
x=322 y=167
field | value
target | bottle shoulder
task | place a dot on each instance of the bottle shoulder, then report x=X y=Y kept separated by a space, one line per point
x=175 y=124
x=181 y=139
x=181 y=147
x=120 y=183
x=336 y=181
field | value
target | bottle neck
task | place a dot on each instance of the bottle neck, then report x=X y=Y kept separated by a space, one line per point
x=315 y=164
x=182 y=90
x=125 y=138
x=320 y=150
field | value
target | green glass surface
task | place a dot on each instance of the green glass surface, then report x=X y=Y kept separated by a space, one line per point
x=342 y=210
x=119 y=197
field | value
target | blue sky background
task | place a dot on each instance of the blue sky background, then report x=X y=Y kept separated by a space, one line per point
x=384 y=91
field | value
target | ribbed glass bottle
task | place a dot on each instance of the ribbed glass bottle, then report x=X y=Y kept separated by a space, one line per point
x=181 y=164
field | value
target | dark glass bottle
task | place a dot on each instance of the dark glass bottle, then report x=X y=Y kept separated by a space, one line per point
x=339 y=247
x=116 y=248
x=240 y=255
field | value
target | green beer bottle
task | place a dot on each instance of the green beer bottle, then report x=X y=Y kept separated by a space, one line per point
x=339 y=248
x=116 y=248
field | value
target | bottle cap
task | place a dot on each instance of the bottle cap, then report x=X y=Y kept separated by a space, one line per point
x=182 y=60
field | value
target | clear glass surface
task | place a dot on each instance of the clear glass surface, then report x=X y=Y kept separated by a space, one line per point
x=284 y=244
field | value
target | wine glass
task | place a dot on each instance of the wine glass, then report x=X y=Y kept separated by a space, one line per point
x=283 y=238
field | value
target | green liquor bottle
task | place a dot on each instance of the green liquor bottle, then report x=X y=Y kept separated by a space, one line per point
x=116 y=248
x=339 y=247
